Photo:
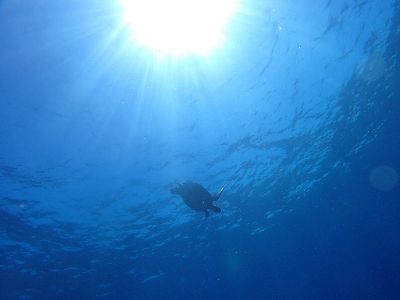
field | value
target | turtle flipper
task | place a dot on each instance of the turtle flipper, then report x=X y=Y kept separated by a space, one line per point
x=207 y=213
x=217 y=195
x=215 y=208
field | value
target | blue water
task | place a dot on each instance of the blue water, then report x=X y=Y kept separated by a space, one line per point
x=297 y=115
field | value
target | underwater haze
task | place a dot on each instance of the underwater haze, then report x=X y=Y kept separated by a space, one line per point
x=296 y=114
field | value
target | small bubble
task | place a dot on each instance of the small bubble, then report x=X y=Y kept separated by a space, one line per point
x=384 y=178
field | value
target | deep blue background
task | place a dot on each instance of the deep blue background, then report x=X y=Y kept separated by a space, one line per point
x=296 y=116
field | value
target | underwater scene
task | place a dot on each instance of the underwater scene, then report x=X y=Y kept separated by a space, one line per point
x=186 y=149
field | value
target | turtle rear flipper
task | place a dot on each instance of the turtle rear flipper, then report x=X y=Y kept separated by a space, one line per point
x=217 y=195
x=215 y=208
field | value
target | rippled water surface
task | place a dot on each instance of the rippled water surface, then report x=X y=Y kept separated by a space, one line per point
x=297 y=115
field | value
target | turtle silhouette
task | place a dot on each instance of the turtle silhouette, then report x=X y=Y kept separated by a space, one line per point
x=197 y=197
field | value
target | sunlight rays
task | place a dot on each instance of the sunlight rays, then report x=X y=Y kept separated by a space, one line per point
x=178 y=27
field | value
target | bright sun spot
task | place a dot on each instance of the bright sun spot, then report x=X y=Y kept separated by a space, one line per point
x=178 y=27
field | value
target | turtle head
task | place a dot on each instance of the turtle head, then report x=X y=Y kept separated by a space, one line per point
x=176 y=190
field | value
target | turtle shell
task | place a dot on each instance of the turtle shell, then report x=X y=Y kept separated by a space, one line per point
x=194 y=195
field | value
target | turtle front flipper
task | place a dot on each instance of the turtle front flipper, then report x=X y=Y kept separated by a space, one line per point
x=207 y=213
x=217 y=195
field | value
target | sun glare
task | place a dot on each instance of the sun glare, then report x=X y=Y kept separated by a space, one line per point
x=178 y=27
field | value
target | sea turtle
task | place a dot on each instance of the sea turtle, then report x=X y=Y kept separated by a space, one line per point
x=197 y=197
